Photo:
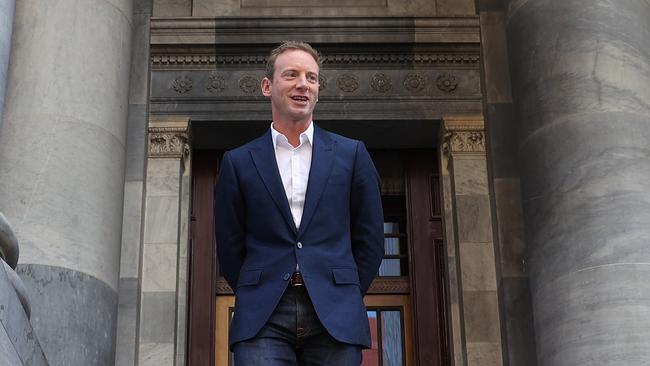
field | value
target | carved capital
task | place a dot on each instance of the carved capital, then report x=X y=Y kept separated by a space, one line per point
x=169 y=137
x=463 y=134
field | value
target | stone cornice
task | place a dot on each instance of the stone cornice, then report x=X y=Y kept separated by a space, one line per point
x=169 y=137
x=198 y=60
x=253 y=30
x=463 y=135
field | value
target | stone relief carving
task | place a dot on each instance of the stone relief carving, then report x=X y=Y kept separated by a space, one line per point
x=414 y=82
x=171 y=60
x=216 y=84
x=381 y=82
x=182 y=84
x=348 y=82
x=463 y=135
x=465 y=141
x=322 y=83
x=447 y=83
x=168 y=142
x=249 y=84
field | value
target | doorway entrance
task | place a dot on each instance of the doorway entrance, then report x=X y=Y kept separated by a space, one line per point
x=406 y=303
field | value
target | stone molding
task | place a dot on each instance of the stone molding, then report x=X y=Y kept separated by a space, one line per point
x=253 y=30
x=463 y=135
x=169 y=137
x=166 y=60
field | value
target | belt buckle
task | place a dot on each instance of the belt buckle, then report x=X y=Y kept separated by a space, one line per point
x=296 y=280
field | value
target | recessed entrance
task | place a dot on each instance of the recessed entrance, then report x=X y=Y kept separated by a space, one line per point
x=406 y=303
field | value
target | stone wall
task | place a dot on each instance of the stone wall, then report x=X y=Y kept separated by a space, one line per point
x=319 y=8
x=501 y=130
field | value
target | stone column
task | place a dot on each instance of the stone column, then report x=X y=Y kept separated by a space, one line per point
x=580 y=75
x=62 y=152
x=6 y=25
x=163 y=296
x=476 y=328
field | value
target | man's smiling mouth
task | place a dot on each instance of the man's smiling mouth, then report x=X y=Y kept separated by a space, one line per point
x=300 y=98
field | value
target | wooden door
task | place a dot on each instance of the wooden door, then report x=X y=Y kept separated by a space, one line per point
x=406 y=302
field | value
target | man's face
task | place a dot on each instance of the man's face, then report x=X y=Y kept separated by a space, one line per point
x=294 y=88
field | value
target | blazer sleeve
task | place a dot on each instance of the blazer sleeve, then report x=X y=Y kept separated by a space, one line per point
x=366 y=218
x=229 y=218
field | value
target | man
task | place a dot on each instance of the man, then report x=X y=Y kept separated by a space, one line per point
x=299 y=228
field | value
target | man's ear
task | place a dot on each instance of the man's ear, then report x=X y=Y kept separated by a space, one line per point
x=266 y=87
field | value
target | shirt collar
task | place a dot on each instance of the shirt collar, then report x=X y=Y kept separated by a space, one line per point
x=306 y=136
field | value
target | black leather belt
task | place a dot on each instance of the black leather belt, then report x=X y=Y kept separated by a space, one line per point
x=296 y=279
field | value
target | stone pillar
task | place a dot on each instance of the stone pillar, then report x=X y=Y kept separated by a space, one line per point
x=6 y=25
x=62 y=152
x=476 y=328
x=163 y=292
x=580 y=75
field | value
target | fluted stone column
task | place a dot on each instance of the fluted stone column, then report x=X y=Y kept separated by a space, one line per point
x=62 y=153
x=6 y=25
x=580 y=73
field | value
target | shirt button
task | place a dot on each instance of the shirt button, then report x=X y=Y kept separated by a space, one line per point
x=299 y=245
x=286 y=276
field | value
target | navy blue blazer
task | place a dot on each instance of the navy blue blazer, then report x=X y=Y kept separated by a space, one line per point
x=341 y=233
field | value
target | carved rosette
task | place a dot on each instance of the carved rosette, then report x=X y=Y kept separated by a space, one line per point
x=182 y=84
x=414 y=83
x=447 y=82
x=249 y=84
x=463 y=135
x=216 y=84
x=348 y=82
x=381 y=82
x=322 y=83
x=169 y=140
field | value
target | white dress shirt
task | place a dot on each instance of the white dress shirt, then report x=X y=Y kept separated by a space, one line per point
x=294 y=164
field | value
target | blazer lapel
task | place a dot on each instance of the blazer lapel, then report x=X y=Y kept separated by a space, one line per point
x=264 y=160
x=321 y=166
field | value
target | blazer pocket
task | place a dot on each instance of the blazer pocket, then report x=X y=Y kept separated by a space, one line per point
x=346 y=276
x=249 y=277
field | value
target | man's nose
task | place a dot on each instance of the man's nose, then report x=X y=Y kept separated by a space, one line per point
x=302 y=82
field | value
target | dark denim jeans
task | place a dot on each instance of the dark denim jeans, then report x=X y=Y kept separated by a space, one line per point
x=294 y=336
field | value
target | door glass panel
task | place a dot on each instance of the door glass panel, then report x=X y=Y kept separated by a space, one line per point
x=391 y=338
x=391 y=266
x=387 y=335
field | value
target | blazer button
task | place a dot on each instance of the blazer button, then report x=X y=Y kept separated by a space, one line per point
x=299 y=245
x=286 y=276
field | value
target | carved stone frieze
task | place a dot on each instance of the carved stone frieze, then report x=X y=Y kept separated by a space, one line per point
x=463 y=135
x=169 y=138
x=216 y=84
x=348 y=82
x=249 y=84
x=322 y=83
x=414 y=82
x=447 y=82
x=381 y=82
x=182 y=84
x=161 y=61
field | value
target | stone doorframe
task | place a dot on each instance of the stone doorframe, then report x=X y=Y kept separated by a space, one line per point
x=474 y=304
x=472 y=273
x=162 y=294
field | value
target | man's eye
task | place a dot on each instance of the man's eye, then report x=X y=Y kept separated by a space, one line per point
x=312 y=78
x=289 y=75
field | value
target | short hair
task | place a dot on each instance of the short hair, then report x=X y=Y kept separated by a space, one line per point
x=287 y=46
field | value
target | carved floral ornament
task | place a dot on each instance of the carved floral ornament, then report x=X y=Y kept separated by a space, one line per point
x=182 y=84
x=463 y=135
x=168 y=142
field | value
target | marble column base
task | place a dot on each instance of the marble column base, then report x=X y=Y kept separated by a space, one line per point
x=73 y=315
